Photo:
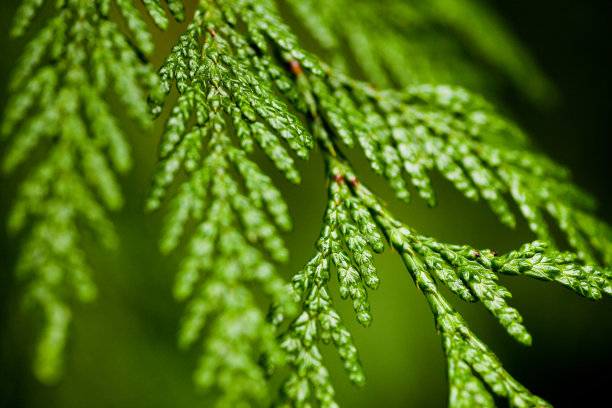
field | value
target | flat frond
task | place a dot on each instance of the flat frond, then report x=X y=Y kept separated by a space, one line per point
x=59 y=107
x=475 y=373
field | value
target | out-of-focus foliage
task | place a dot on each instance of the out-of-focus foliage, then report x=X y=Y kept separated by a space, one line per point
x=59 y=116
x=401 y=43
x=244 y=83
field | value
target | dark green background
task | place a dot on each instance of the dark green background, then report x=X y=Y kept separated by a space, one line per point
x=122 y=348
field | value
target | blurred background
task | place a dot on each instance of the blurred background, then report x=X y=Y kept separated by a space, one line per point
x=122 y=348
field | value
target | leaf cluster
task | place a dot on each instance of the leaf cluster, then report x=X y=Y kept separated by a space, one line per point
x=59 y=114
x=475 y=374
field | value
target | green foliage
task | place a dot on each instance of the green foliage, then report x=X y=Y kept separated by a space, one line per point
x=213 y=67
x=244 y=83
x=444 y=128
x=403 y=43
x=60 y=114
x=350 y=233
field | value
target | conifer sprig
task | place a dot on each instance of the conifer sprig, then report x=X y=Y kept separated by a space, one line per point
x=223 y=83
x=443 y=128
x=346 y=242
x=474 y=371
x=242 y=78
x=59 y=112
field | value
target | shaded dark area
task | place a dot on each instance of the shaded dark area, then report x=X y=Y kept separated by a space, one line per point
x=571 y=43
